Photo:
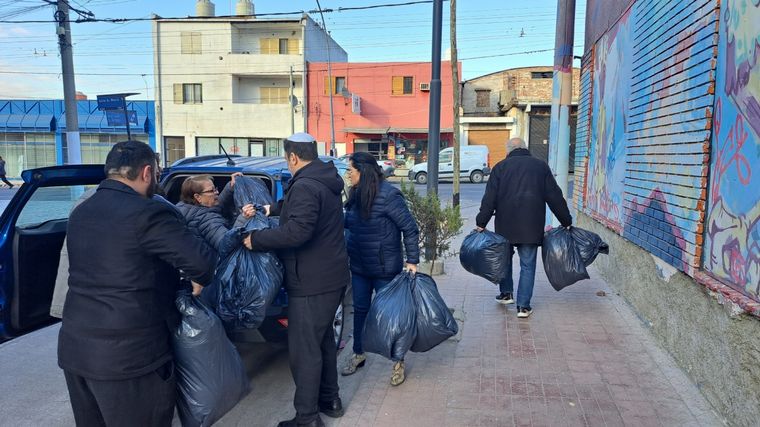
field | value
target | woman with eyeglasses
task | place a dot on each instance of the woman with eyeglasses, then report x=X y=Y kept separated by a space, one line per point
x=208 y=213
x=376 y=218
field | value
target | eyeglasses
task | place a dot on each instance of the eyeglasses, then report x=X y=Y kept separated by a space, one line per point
x=214 y=190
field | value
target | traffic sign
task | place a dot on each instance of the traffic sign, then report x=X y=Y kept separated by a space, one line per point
x=117 y=117
x=110 y=102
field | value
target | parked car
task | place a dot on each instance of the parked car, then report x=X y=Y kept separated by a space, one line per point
x=33 y=226
x=473 y=165
x=388 y=166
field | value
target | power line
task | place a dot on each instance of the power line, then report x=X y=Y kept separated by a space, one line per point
x=201 y=18
x=283 y=72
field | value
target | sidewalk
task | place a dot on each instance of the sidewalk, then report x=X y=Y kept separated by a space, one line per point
x=582 y=359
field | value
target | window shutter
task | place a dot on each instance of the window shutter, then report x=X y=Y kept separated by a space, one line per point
x=292 y=46
x=187 y=42
x=265 y=46
x=196 y=42
x=327 y=85
x=178 y=93
x=398 y=85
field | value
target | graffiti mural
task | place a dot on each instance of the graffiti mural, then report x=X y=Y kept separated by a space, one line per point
x=611 y=88
x=732 y=234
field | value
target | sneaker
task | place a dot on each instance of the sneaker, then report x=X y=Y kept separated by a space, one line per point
x=524 y=312
x=355 y=362
x=505 y=298
x=397 y=375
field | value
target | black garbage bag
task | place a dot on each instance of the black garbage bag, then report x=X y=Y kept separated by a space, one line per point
x=211 y=377
x=567 y=253
x=589 y=244
x=246 y=282
x=484 y=254
x=251 y=191
x=435 y=323
x=390 y=328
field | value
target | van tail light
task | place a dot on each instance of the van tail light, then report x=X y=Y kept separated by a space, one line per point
x=283 y=322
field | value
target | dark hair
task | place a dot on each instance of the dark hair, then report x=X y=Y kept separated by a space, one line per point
x=363 y=194
x=306 y=151
x=127 y=158
x=193 y=185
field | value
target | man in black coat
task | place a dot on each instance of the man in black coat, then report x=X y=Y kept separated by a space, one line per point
x=312 y=247
x=124 y=249
x=518 y=191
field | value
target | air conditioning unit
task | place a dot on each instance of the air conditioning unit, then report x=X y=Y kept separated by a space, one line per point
x=425 y=87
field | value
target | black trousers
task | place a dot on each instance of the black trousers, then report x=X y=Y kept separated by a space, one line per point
x=312 y=352
x=143 y=401
x=5 y=180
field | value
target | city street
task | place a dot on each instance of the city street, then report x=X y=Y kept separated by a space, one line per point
x=583 y=358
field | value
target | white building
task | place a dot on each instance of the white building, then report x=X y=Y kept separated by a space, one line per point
x=226 y=81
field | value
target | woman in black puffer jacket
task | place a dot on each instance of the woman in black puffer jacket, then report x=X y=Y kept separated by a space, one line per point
x=376 y=218
x=210 y=214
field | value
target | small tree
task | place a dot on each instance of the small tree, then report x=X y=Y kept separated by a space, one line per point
x=438 y=225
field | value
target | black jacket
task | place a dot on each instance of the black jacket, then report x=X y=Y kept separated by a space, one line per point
x=211 y=224
x=374 y=244
x=310 y=238
x=124 y=252
x=518 y=191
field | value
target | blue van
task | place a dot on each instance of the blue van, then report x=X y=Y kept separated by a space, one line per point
x=33 y=227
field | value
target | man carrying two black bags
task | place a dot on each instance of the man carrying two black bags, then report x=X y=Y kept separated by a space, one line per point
x=124 y=252
x=518 y=191
x=312 y=247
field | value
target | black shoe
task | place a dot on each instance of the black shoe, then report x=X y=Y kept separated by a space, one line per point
x=333 y=409
x=505 y=298
x=524 y=312
x=317 y=422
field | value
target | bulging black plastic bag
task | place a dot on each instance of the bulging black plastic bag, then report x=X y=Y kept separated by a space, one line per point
x=251 y=191
x=435 y=323
x=246 y=282
x=567 y=253
x=211 y=377
x=484 y=254
x=390 y=329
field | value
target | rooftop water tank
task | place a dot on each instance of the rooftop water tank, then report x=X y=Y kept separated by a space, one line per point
x=204 y=8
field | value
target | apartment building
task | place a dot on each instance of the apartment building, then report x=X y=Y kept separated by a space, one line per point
x=224 y=84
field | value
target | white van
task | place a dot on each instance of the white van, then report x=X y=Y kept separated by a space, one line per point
x=473 y=165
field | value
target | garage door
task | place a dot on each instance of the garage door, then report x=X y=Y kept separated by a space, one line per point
x=538 y=143
x=495 y=140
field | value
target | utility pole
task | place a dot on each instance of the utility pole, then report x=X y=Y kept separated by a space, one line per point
x=455 y=88
x=329 y=83
x=434 y=120
x=292 y=102
x=63 y=30
x=559 y=139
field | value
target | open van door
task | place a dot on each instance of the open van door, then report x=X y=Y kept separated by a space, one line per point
x=32 y=229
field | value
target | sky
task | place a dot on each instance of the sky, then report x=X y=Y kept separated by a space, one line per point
x=492 y=35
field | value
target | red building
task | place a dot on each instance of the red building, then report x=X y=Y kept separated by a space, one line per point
x=378 y=107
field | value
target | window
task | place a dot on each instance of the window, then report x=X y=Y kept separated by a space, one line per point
x=274 y=95
x=445 y=158
x=339 y=85
x=188 y=93
x=50 y=203
x=541 y=75
x=96 y=146
x=210 y=145
x=483 y=98
x=402 y=85
x=278 y=46
x=191 y=43
x=174 y=148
